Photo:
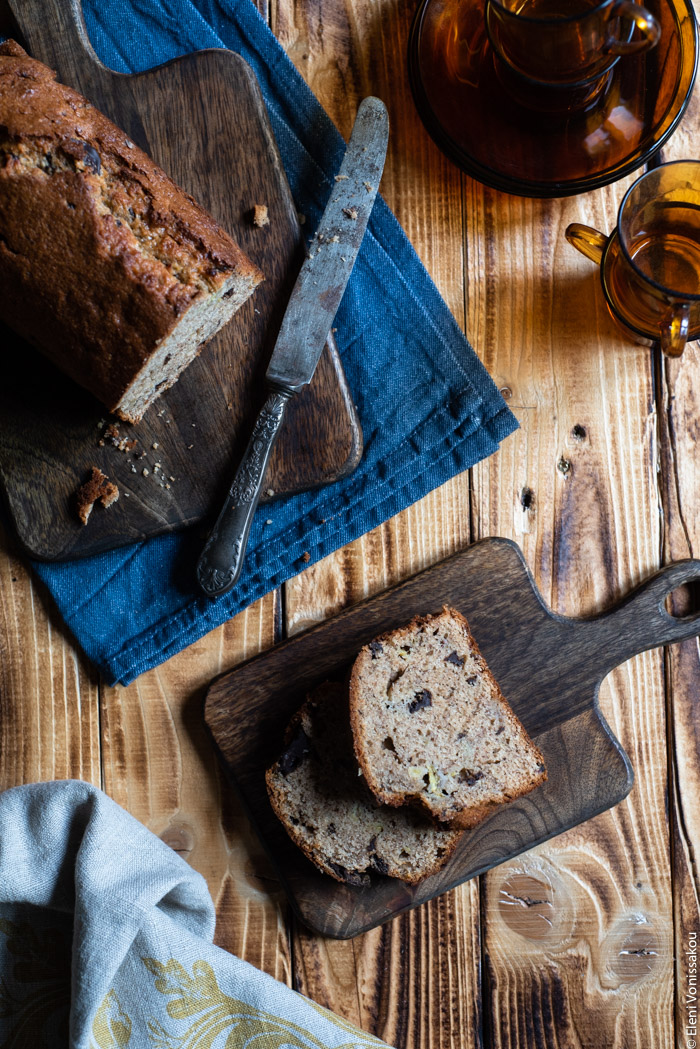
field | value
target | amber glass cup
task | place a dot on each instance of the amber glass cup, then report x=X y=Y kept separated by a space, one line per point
x=650 y=264
x=567 y=42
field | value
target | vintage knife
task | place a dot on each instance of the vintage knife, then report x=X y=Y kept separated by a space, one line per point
x=305 y=327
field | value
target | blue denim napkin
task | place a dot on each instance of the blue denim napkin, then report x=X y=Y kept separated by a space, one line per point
x=428 y=407
x=106 y=941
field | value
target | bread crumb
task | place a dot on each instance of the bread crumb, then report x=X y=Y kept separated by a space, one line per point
x=155 y=445
x=270 y=492
x=98 y=487
x=350 y=212
x=259 y=215
x=369 y=187
x=341 y=178
x=112 y=435
x=145 y=472
x=306 y=556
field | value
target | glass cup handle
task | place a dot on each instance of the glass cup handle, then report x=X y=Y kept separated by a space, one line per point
x=587 y=240
x=675 y=334
x=645 y=22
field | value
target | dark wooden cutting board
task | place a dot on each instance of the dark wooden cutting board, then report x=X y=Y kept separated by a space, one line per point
x=549 y=667
x=203 y=119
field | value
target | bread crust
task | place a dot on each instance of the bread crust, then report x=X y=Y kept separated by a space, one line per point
x=101 y=253
x=476 y=813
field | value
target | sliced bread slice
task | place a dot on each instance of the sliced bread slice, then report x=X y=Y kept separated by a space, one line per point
x=431 y=726
x=321 y=799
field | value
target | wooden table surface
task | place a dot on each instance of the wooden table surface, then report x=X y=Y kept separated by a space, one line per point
x=582 y=941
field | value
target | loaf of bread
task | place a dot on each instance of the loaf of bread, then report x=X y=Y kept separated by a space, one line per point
x=107 y=266
x=324 y=805
x=431 y=726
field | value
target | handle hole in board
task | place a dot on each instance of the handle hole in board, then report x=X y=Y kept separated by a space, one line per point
x=684 y=601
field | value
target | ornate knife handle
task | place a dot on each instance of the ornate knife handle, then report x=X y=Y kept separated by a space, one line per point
x=221 y=560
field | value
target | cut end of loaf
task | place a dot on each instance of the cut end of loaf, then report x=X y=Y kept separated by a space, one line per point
x=200 y=323
x=327 y=810
x=432 y=728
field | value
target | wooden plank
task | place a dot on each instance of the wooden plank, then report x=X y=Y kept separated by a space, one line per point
x=679 y=409
x=414 y=981
x=417 y=981
x=159 y=764
x=580 y=928
x=49 y=696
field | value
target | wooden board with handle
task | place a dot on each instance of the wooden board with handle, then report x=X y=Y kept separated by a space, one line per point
x=549 y=667
x=202 y=117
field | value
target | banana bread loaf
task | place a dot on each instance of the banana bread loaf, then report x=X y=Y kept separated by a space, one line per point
x=326 y=809
x=107 y=266
x=431 y=726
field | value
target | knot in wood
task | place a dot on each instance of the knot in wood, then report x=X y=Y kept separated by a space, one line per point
x=527 y=906
x=179 y=838
x=634 y=950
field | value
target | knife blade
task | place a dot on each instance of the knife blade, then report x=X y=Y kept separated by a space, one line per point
x=305 y=326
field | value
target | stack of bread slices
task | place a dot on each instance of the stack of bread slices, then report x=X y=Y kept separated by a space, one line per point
x=384 y=774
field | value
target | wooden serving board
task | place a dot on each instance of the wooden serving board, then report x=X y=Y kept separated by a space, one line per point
x=202 y=117
x=549 y=667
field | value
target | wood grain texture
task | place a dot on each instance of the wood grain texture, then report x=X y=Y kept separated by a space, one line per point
x=678 y=390
x=49 y=696
x=191 y=116
x=158 y=764
x=577 y=488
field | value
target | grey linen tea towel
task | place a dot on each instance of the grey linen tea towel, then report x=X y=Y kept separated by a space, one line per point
x=106 y=942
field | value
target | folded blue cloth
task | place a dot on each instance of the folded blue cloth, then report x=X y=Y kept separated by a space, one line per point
x=106 y=941
x=427 y=406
